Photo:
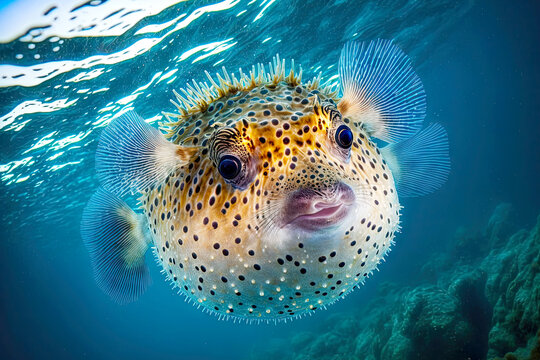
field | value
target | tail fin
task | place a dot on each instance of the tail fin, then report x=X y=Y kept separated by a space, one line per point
x=115 y=238
x=381 y=90
x=420 y=165
x=132 y=155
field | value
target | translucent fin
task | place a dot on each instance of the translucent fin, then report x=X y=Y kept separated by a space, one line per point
x=420 y=165
x=132 y=155
x=115 y=238
x=381 y=90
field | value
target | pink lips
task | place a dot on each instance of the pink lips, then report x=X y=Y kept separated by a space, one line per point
x=315 y=210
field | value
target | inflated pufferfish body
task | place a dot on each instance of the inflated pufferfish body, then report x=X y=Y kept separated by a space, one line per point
x=269 y=199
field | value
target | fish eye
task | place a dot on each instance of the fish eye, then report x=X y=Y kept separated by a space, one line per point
x=229 y=167
x=344 y=136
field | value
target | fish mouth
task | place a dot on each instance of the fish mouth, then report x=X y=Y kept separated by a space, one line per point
x=314 y=210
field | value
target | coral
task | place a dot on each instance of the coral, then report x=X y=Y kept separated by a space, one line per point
x=514 y=291
x=482 y=304
x=501 y=224
x=535 y=351
x=531 y=352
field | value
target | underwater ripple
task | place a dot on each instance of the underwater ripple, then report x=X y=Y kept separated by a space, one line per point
x=68 y=70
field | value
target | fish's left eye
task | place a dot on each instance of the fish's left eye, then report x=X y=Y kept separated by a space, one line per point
x=344 y=136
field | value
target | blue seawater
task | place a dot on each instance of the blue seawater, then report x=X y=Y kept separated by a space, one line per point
x=68 y=67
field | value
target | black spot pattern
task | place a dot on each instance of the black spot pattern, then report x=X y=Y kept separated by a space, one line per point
x=217 y=243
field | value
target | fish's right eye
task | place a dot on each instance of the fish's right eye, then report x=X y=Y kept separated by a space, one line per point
x=229 y=167
x=344 y=137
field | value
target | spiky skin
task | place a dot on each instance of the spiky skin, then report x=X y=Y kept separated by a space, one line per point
x=223 y=246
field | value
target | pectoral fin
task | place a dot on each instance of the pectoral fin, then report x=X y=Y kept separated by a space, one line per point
x=420 y=165
x=132 y=155
x=117 y=240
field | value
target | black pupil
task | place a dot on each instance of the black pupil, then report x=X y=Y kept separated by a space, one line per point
x=344 y=136
x=229 y=167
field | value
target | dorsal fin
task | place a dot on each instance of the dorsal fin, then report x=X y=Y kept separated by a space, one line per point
x=381 y=90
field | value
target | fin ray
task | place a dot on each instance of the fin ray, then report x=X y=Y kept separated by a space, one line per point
x=115 y=238
x=132 y=155
x=421 y=164
x=381 y=90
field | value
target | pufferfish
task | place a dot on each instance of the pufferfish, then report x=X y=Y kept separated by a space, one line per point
x=266 y=198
